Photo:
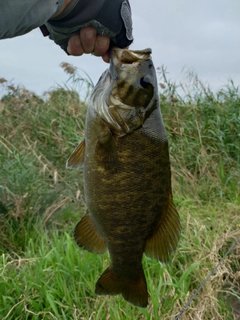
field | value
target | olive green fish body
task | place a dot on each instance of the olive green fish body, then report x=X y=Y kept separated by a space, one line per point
x=126 y=205
x=127 y=179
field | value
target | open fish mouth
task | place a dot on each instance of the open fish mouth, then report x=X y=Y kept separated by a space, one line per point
x=121 y=57
x=126 y=56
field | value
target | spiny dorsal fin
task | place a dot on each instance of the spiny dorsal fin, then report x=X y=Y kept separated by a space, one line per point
x=87 y=236
x=165 y=238
x=76 y=159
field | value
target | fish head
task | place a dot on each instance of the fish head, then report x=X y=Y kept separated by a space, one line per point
x=127 y=92
x=134 y=76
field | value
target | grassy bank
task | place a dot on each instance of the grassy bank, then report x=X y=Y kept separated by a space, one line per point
x=44 y=275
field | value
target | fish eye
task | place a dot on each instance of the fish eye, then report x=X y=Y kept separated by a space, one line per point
x=144 y=82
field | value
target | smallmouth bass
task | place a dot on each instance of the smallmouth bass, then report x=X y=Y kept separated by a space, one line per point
x=127 y=177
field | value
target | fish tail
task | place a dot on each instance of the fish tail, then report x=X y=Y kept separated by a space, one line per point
x=132 y=290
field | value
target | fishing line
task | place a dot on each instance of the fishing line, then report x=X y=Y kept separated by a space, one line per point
x=204 y=282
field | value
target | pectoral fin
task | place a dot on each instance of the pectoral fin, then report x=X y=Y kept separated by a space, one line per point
x=87 y=236
x=165 y=238
x=76 y=159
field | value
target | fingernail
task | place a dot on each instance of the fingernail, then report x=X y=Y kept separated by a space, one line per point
x=89 y=34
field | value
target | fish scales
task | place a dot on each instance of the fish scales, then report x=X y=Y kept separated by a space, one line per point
x=127 y=178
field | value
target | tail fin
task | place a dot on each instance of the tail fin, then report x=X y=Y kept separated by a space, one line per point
x=132 y=290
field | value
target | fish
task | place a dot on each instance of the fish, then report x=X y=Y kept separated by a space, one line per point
x=127 y=176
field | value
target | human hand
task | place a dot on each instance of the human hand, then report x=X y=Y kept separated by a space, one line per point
x=92 y=26
x=87 y=41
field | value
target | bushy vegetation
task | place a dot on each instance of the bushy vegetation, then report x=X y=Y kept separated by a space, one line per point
x=44 y=275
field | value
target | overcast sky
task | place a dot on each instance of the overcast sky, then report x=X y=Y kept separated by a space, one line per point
x=198 y=35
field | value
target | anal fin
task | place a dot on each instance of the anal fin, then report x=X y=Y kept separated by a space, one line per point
x=87 y=236
x=165 y=238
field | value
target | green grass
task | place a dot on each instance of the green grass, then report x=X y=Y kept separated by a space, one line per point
x=44 y=275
